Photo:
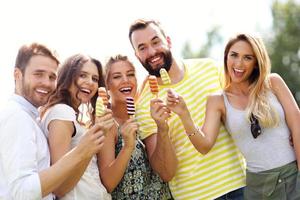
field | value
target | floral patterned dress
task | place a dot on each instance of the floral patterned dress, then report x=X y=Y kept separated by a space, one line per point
x=139 y=181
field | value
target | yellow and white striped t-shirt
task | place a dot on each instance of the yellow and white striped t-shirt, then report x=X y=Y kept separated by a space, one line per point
x=197 y=177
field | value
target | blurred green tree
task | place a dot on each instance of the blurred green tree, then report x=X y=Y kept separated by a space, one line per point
x=284 y=46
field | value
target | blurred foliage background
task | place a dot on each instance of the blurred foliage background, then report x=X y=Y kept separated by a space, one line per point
x=282 y=41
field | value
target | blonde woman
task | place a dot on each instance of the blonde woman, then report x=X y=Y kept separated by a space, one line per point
x=124 y=167
x=260 y=113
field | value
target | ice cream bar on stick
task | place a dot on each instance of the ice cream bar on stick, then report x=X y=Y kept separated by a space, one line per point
x=100 y=108
x=131 y=112
x=164 y=76
x=103 y=94
x=153 y=85
x=130 y=106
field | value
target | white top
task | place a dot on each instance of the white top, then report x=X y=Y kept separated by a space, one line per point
x=271 y=148
x=89 y=186
x=23 y=151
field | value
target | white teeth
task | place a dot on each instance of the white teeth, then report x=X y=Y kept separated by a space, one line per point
x=238 y=70
x=155 y=59
x=126 y=89
x=42 y=91
x=86 y=90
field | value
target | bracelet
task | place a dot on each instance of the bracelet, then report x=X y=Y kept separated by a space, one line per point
x=194 y=133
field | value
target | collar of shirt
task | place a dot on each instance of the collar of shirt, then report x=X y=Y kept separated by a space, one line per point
x=28 y=107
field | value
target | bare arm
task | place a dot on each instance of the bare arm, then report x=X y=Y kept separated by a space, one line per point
x=60 y=136
x=24 y=179
x=204 y=139
x=54 y=177
x=291 y=110
x=160 y=150
x=112 y=168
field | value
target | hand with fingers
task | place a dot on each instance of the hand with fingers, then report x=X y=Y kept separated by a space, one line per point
x=106 y=121
x=92 y=141
x=160 y=113
x=176 y=103
x=128 y=131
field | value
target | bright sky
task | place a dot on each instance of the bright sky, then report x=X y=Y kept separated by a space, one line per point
x=100 y=27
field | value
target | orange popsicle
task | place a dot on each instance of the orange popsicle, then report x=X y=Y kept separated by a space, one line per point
x=103 y=94
x=153 y=85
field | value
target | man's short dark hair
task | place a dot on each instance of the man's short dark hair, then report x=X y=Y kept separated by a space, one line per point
x=142 y=24
x=34 y=49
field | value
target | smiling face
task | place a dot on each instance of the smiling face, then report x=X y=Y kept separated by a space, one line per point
x=241 y=62
x=152 y=48
x=38 y=80
x=85 y=85
x=121 y=81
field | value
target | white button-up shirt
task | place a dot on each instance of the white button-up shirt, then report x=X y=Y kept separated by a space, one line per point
x=24 y=151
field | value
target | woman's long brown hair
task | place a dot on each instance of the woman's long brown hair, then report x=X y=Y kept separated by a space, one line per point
x=68 y=74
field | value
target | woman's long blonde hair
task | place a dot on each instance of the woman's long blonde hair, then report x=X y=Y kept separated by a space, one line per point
x=259 y=83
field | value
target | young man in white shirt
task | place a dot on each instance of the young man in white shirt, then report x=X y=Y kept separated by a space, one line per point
x=24 y=154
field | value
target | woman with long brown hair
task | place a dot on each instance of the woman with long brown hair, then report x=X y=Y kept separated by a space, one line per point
x=64 y=124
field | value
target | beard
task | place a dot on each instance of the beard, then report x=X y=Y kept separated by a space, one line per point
x=167 y=58
x=27 y=92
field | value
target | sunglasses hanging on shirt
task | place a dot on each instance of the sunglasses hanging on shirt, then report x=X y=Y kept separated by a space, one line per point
x=255 y=127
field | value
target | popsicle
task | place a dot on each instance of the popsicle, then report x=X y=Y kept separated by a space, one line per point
x=153 y=85
x=164 y=76
x=130 y=106
x=100 y=108
x=103 y=94
x=131 y=112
